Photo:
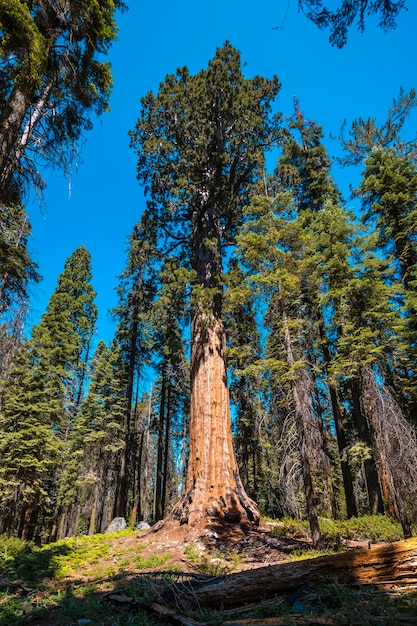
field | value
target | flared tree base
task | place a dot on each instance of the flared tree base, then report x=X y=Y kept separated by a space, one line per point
x=212 y=508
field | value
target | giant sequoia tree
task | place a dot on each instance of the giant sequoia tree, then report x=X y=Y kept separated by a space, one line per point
x=200 y=142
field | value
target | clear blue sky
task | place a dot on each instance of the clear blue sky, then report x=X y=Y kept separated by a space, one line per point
x=104 y=201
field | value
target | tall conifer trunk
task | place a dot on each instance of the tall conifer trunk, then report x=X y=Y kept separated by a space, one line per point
x=376 y=504
x=351 y=508
x=11 y=122
x=213 y=488
x=214 y=128
x=301 y=411
x=159 y=501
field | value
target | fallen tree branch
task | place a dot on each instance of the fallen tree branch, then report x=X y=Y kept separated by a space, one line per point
x=161 y=611
x=4 y=582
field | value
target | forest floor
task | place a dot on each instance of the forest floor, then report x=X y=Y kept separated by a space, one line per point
x=128 y=579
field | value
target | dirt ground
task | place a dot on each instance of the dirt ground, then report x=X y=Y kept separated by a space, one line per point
x=254 y=549
x=186 y=550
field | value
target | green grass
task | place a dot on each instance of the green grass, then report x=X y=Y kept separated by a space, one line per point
x=30 y=564
x=43 y=568
x=335 y=532
x=54 y=571
x=154 y=561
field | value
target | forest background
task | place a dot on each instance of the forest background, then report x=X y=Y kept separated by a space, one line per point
x=101 y=203
x=321 y=336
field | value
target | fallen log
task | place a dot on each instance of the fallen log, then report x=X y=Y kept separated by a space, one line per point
x=284 y=620
x=393 y=562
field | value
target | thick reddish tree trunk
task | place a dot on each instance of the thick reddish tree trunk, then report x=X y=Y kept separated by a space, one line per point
x=214 y=491
x=214 y=488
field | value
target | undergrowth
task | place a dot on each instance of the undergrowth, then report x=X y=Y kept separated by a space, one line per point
x=67 y=579
x=335 y=532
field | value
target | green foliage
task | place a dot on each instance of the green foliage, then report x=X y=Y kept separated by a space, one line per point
x=288 y=527
x=17 y=270
x=41 y=397
x=341 y=17
x=335 y=532
x=365 y=135
x=29 y=564
x=200 y=142
x=53 y=68
x=191 y=552
x=156 y=560
x=350 y=605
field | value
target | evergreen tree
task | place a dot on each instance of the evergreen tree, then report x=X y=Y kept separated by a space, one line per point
x=304 y=169
x=388 y=190
x=62 y=339
x=11 y=334
x=369 y=340
x=273 y=243
x=17 y=270
x=45 y=390
x=246 y=389
x=339 y=19
x=136 y=293
x=365 y=134
x=89 y=480
x=52 y=78
x=200 y=144
x=30 y=448
x=168 y=344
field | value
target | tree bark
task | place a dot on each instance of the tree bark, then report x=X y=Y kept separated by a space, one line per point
x=11 y=122
x=213 y=487
x=394 y=562
x=167 y=443
x=121 y=500
x=351 y=508
x=159 y=512
x=376 y=504
x=300 y=410
x=392 y=485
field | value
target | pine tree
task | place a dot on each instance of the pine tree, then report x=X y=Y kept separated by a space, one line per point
x=304 y=169
x=11 y=335
x=30 y=448
x=340 y=18
x=365 y=134
x=17 y=270
x=46 y=389
x=90 y=475
x=388 y=190
x=62 y=339
x=168 y=316
x=369 y=340
x=52 y=78
x=272 y=242
x=136 y=293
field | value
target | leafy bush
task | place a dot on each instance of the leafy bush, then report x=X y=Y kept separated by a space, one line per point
x=336 y=532
x=373 y=527
x=289 y=527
